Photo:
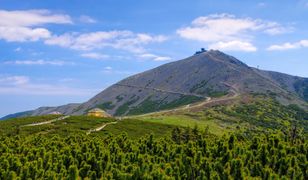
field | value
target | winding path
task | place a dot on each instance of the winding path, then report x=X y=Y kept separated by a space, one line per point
x=234 y=93
x=100 y=127
x=65 y=117
x=46 y=122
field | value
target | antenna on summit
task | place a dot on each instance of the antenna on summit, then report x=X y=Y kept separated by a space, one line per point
x=201 y=51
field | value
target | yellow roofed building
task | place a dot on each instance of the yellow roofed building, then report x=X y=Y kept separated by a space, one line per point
x=96 y=112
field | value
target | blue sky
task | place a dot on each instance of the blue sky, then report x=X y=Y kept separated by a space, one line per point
x=55 y=52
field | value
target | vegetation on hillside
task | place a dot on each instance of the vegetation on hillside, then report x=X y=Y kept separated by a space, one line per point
x=301 y=87
x=15 y=115
x=73 y=124
x=203 y=88
x=258 y=115
x=13 y=125
x=187 y=154
x=136 y=129
x=149 y=105
x=106 y=105
x=125 y=107
x=81 y=125
x=257 y=139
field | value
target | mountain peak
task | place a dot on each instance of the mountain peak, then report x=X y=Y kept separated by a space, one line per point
x=218 y=56
x=208 y=73
x=225 y=57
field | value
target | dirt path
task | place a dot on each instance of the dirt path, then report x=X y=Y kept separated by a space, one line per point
x=46 y=122
x=232 y=95
x=100 y=127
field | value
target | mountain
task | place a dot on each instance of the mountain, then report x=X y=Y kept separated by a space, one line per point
x=206 y=74
x=20 y=114
x=65 y=109
x=293 y=84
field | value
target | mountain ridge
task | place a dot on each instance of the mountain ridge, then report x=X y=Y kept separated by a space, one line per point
x=187 y=81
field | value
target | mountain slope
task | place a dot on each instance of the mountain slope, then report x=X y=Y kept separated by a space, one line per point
x=20 y=114
x=65 y=109
x=208 y=74
x=294 y=84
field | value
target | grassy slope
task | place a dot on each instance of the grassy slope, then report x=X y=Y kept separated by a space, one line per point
x=10 y=125
x=81 y=125
x=254 y=116
x=148 y=105
x=258 y=115
x=136 y=128
x=73 y=124
x=189 y=121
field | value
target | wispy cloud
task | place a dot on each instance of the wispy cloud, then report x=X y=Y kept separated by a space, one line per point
x=289 y=45
x=29 y=18
x=109 y=70
x=124 y=40
x=29 y=25
x=93 y=55
x=87 y=19
x=22 y=34
x=39 y=62
x=226 y=30
x=13 y=80
x=234 y=46
x=154 y=57
x=20 y=26
x=22 y=85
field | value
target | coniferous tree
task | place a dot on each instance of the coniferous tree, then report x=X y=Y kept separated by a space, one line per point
x=73 y=173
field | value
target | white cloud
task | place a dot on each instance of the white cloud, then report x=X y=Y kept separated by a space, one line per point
x=87 y=19
x=288 y=45
x=125 y=40
x=162 y=58
x=216 y=27
x=224 y=30
x=64 y=40
x=226 y=27
x=30 y=18
x=95 y=56
x=108 y=70
x=21 y=34
x=233 y=46
x=20 y=26
x=39 y=62
x=13 y=80
x=274 y=28
x=22 y=85
x=28 y=25
x=154 y=57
